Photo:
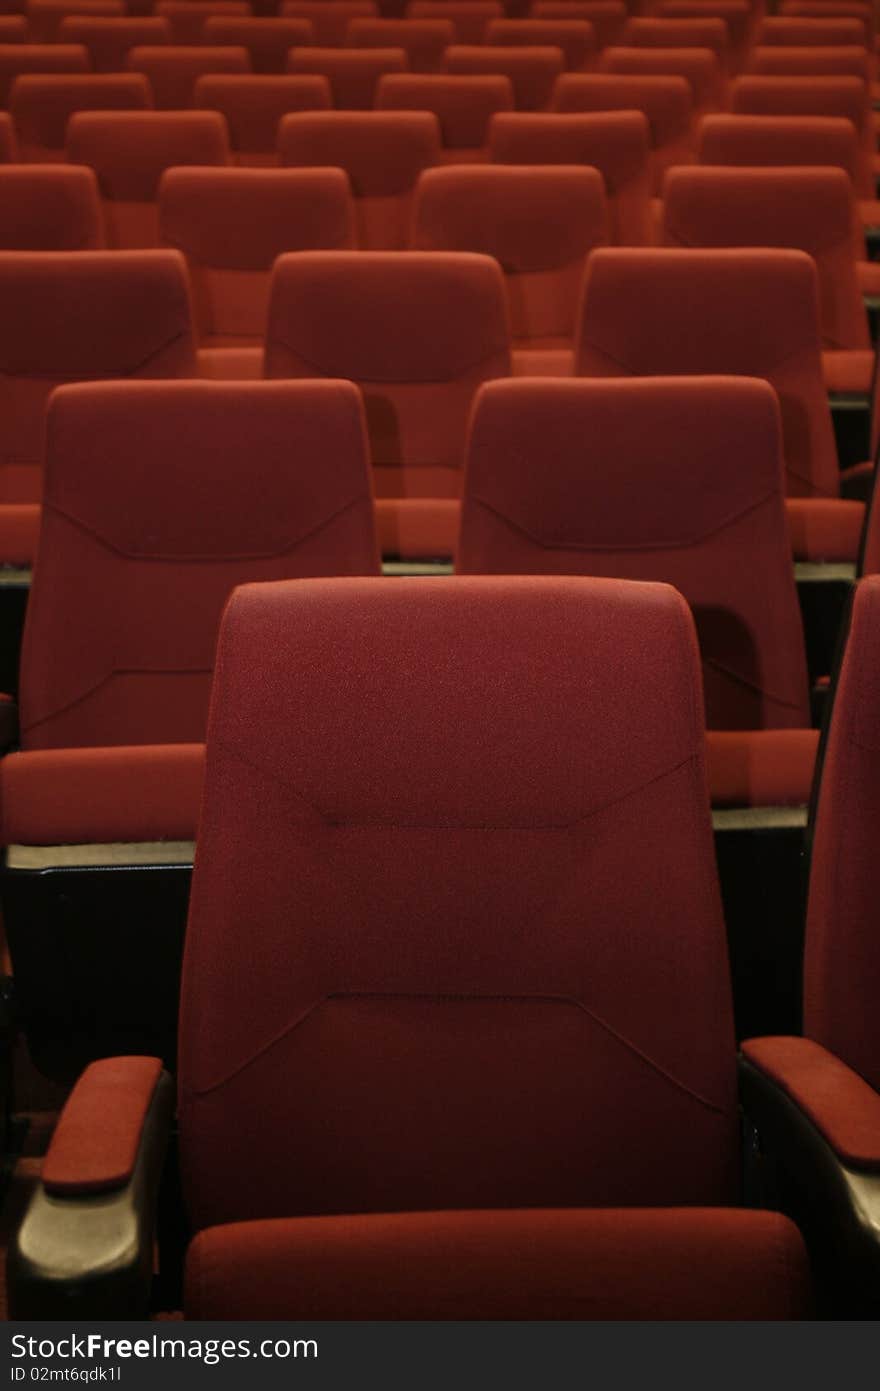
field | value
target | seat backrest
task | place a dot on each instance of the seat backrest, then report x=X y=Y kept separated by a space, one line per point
x=532 y=71
x=575 y=37
x=468 y=18
x=108 y=40
x=802 y=32
x=18 y=58
x=606 y=16
x=423 y=40
x=160 y=498
x=617 y=143
x=673 y=479
x=13 y=29
x=8 y=141
x=753 y=313
x=81 y=315
x=851 y=61
x=41 y=106
x=172 y=71
x=463 y=105
x=419 y=333
x=49 y=207
x=231 y=224
x=802 y=96
x=383 y=153
x=829 y=141
x=188 y=18
x=829 y=9
x=254 y=105
x=330 y=18
x=649 y=31
x=738 y=15
x=841 y=961
x=667 y=102
x=44 y=17
x=539 y=222
x=268 y=41
x=353 y=73
x=455 y=844
x=812 y=209
x=699 y=66
x=129 y=153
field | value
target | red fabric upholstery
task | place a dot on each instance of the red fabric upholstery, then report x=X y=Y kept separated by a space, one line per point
x=42 y=105
x=811 y=62
x=416 y=527
x=38 y=57
x=232 y=223
x=75 y=315
x=827 y=8
x=699 y=66
x=267 y=41
x=606 y=16
x=19 y=529
x=353 y=73
x=419 y=333
x=49 y=208
x=424 y=812
x=841 y=1105
x=824 y=528
x=737 y=15
x=811 y=96
x=672 y=479
x=802 y=32
x=13 y=29
x=109 y=39
x=742 y=312
x=133 y=570
x=44 y=17
x=254 y=106
x=101 y=796
x=383 y=153
x=468 y=18
x=95 y=1144
x=761 y=767
x=463 y=105
x=423 y=40
x=172 y=72
x=812 y=209
x=586 y=1264
x=187 y=18
x=841 y=961
x=330 y=18
x=532 y=71
x=782 y=140
x=540 y=224
x=576 y=37
x=649 y=31
x=614 y=142
x=129 y=154
x=667 y=102
x=8 y=142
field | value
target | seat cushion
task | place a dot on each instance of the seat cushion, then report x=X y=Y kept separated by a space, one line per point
x=551 y=1264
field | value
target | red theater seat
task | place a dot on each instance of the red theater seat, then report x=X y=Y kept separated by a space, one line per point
x=539 y=223
x=129 y=153
x=699 y=66
x=109 y=40
x=383 y=153
x=464 y=107
x=606 y=16
x=44 y=17
x=254 y=105
x=423 y=40
x=738 y=15
x=678 y=480
x=851 y=61
x=805 y=96
x=8 y=142
x=733 y=312
x=575 y=37
x=231 y=224
x=188 y=18
x=41 y=58
x=267 y=41
x=468 y=18
x=329 y=18
x=803 y=32
x=353 y=73
x=651 y=32
x=172 y=72
x=532 y=71
x=49 y=208
x=13 y=29
x=42 y=106
x=667 y=102
x=418 y=333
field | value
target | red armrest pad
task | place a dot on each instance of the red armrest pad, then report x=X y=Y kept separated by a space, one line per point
x=824 y=528
x=839 y=1103
x=95 y=1144
x=761 y=767
x=417 y=528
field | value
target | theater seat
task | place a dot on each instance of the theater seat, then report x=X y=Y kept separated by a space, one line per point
x=267 y=41
x=44 y=17
x=469 y=18
x=667 y=102
x=172 y=71
x=108 y=40
x=532 y=71
x=802 y=31
x=13 y=29
x=651 y=31
x=8 y=142
x=19 y=58
x=41 y=106
x=253 y=107
x=606 y=16
x=423 y=40
x=811 y=61
x=738 y=15
x=329 y=18
x=575 y=37
x=843 y=96
x=383 y=153
x=49 y=208
x=187 y=18
x=353 y=73
x=699 y=66
x=464 y=107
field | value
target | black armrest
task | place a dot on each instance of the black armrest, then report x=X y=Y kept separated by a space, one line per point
x=85 y=1246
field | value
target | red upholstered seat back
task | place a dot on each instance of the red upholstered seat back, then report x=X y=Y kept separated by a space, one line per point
x=812 y=209
x=699 y=66
x=753 y=313
x=469 y=18
x=841 y=961
x=575 y=37
x=606 y=16
x=267 y=41
x=810 y=96
x=811 y=31
x=383 y=153
x=45 y=17
x=667 y=102
x=8 y=142
x=130 y=152
x=781 y=140
x=42 y=105
x=464 y=105
x=231 y=224
x=539 y=222
x=423 y=40
x=49 y=207
x=738 y=15
x=172 y=71
x=617 y=143
x=650 y=31
x=75 y=316
x=188 y=18
x=108 y=40
x=353 y=73
x=159 y=499
x=254 y=105
x=812 y=62
x=330 y=18
x=667 y=479
x=419 y=333
x=532 y=71
x=455 y=938
x=20 y=58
